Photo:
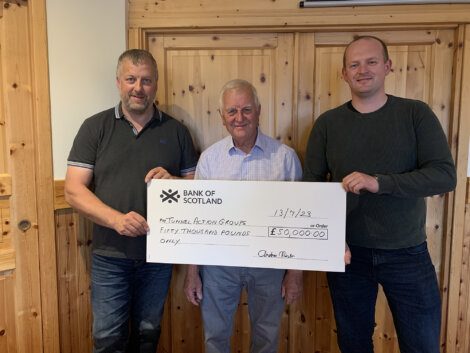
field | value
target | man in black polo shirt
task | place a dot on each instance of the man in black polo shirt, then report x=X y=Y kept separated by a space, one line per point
x=114 y=154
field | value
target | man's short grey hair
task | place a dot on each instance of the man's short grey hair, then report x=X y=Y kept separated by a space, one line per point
x=238 y=84
x=137 y=56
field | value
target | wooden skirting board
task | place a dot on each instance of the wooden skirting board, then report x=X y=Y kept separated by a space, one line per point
x=5 y=185
x=59 y=195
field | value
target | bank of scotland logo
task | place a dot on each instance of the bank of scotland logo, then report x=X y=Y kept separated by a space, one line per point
x=169 y=196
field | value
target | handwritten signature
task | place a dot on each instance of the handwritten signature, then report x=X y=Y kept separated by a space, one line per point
x=279 y=254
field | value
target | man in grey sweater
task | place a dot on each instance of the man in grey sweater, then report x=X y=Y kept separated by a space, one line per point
x=389 y=153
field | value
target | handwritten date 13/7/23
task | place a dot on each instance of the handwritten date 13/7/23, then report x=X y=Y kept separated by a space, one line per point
x=292 y=213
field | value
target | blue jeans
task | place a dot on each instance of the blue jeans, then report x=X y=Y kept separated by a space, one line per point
x=127 y=298
x=222 y=287
x=410 y=285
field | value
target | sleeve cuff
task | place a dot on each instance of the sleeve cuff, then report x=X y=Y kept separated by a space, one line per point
x=385 y=183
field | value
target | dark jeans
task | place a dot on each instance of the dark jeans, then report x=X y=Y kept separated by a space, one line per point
x=409 y=282
x=127 y=300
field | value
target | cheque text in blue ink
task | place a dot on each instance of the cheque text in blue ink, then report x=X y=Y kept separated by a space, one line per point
x=204 y=221
x=301 y=233
x=292 y=213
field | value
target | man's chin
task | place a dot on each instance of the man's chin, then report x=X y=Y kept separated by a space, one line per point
x=137 y=108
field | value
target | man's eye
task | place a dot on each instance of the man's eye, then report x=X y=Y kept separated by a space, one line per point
x=130 y=79
x=247 y=110
x=231 y=112
x=147 y=81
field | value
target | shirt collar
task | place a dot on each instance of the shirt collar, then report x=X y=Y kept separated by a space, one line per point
x=119 y=114
x=260 y=143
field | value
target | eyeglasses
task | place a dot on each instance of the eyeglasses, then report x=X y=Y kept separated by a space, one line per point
x=231 y=112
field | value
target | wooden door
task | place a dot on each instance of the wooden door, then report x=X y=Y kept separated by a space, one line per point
x=28 y=295
x=422 y=64
x=193 y=68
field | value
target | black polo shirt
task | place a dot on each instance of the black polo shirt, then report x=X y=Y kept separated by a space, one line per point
x=120 y=158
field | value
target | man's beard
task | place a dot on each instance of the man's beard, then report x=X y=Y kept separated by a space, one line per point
x=134 y=107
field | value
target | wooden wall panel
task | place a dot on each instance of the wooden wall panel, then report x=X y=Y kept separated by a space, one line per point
x=25 y=154
x=463 y=327
x=325 y=327
x=330 y=91
x=42 y=137
x=7 y=313
x=196 y=42
x=304 y=71
x=207 y=14
x=73 y=239
x=183 y=318
x=3 y=141
x=457 y=258
x=59 y=195
x=7 y=250
x=459 y=284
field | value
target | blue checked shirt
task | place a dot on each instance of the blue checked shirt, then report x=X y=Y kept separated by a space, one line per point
x=268 y=160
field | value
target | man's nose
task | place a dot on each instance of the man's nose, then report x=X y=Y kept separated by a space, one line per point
x=239 y=114
x=138 y=85
x=363 y=68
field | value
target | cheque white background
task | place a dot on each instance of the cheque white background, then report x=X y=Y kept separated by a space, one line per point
x=262 y=206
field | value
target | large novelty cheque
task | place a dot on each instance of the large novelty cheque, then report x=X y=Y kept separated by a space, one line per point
x=272 y=224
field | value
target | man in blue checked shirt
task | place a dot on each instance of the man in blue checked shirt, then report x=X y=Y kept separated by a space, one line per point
x=247 y=154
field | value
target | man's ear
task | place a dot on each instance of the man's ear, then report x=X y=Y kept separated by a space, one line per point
x=221 y=116
x=388 y=66
x=343 y=73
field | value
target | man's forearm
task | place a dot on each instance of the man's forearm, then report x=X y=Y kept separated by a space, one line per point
x=85 y=202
